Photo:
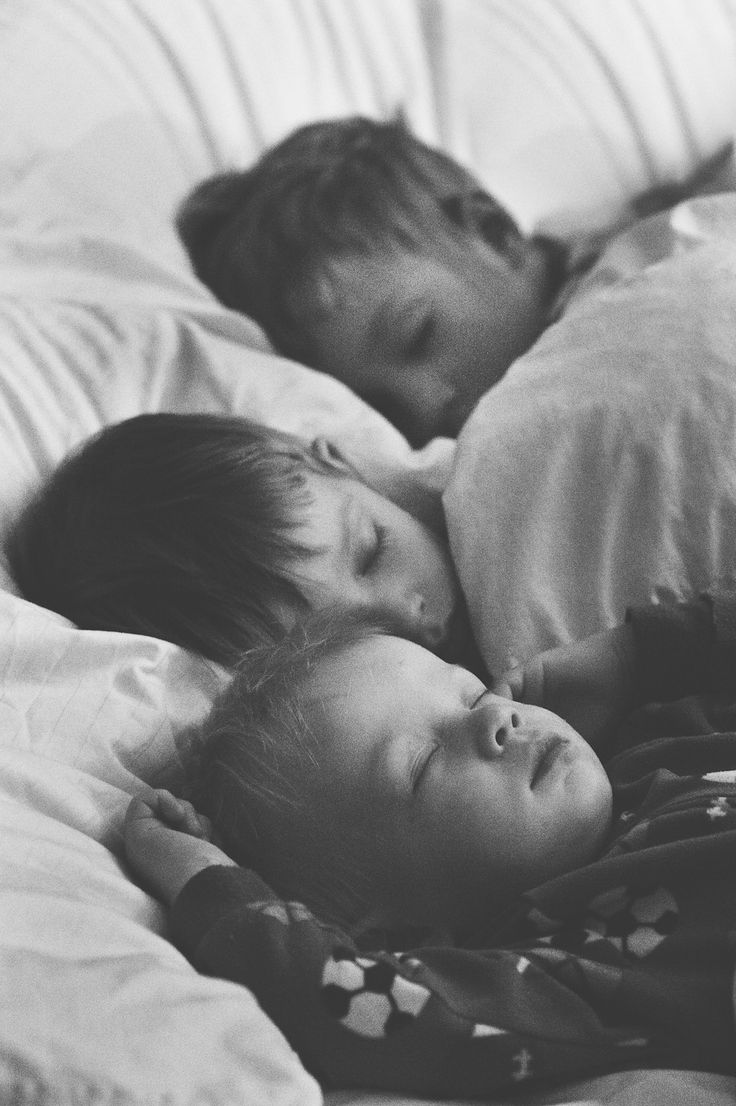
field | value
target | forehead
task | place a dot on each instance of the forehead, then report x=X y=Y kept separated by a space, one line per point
x=362 y=690
x=348 y=281
x=366 y=704
x=367 y=665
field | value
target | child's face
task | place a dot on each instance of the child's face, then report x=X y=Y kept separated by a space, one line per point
x=370 y=555
x=424 y=335
x=471 y=797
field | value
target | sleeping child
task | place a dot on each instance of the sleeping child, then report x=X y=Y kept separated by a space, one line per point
x=578 y=920
x=215 y=532
x=371 y=256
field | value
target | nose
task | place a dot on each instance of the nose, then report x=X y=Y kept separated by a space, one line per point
x=493 y=723
x=420 y=398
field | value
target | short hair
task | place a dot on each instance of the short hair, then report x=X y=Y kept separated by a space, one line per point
x=259 y=238
x=256 y=760
x=177 y=526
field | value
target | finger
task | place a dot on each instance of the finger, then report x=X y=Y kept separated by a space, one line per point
x=510 y=684
x=164 y=799
x=138 y=810
x=503 y=688
x=171 y=809
x=181 y=815
x=532 y=684
x=193 y=823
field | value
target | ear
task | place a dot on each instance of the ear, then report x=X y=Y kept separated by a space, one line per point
x=329 y=456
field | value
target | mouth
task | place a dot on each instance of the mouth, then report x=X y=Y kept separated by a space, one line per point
x=545 y=758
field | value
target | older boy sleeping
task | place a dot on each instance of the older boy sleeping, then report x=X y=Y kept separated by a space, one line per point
x=576 y=919
x=582 y=476
x=371 y=256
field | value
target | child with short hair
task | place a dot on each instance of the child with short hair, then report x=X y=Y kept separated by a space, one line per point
x=216 y=532
x=591 y=913
x=367 y=254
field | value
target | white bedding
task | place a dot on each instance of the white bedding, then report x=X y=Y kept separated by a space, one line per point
x=110 y=110
x=601 y=471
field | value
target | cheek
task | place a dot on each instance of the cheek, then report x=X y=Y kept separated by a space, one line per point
x=481 y=352
x=427 y=560
x=473 y=825
x=590 y=804
x=501 y=326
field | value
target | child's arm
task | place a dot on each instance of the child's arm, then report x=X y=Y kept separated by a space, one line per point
x=443 y=1021
x=663 y=651
x=167 y=843
x=715 y=174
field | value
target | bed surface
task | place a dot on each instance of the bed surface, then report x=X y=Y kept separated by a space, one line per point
x=111 y=110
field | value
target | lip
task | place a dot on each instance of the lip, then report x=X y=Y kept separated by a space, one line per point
x=545 y=758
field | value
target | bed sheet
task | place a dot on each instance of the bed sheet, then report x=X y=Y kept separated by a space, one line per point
x=110 y=110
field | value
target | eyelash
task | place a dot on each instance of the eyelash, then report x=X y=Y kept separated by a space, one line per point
x=477 y=700
x=420 y=766
x=376 y=551
x=422 y=761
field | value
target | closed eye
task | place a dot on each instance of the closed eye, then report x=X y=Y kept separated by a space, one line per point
x=499 y=230
x=420 y=765
x=477 y=702
x=372 y=553
x=419 y=340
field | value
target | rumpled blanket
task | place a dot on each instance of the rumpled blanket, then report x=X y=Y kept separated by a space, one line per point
x=602 y=469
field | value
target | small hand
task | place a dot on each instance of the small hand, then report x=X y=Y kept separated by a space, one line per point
x=590 y=683
x=167 y=843
x=523 y=682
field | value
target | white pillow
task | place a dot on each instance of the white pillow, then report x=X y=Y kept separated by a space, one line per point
x=567 y=108
x=601 y=470
x=110 y=110
x=154 y=95
x=96 y=1004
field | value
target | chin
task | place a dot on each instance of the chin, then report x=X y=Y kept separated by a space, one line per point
x=595 y=809
x=587 y=805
